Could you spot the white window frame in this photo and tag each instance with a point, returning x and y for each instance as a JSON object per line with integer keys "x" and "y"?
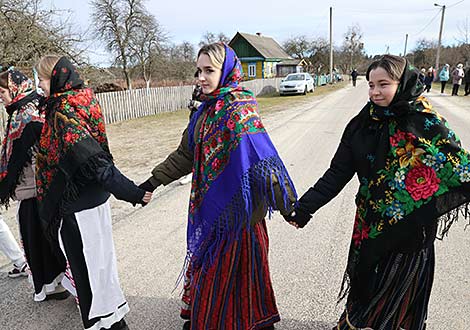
{"x": 252, "y": 70}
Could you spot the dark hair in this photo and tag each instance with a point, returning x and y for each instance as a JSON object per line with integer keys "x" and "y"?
{"x": 4, "y": 79}
{"x": 394, "y": 65}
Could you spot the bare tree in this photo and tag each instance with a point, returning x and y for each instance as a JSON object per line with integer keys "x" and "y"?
{"x": 353, "y": 45}
{"x": 424, "y": 52}
{"x": 298, "y": 46}
{"x": 210, "y": 38}
{"x": 464, "y": 39}
{"x": 147, "y": 44}
{"x": 116, "y": 21}
{"x": 28, "y": 32}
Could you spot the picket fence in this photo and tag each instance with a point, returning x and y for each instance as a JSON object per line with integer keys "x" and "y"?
{"x": 131, "y": 104}
{"x": 125, "y": 105}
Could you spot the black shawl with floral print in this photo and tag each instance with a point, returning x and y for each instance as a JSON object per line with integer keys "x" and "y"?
{"x": 22, "y": 131}
{"x": 414, "y": 175}
{"x": 73, "y": 138}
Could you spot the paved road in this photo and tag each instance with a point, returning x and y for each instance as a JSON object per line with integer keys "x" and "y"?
{"x": 307, "y": 265}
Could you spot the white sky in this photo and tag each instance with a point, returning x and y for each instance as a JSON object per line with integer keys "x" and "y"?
{"x": 383, "y": 23}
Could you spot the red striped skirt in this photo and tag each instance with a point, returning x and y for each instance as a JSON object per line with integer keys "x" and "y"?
{"x": 235, "y": 292}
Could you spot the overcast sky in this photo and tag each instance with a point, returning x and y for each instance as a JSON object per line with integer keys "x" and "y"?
{"x": 383, "y": 23}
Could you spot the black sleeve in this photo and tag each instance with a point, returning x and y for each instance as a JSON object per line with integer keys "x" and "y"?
{"x": 118, "y": 184}
{"x": 333, "y": 181}
{"x": 20, "y": 156}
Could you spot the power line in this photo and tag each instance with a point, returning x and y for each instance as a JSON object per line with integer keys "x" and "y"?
{"x": 455, "y": 4}
{"x": 427, "y": 25}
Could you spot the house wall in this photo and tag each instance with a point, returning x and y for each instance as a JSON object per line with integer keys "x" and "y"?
{"x": 259, "y": 69}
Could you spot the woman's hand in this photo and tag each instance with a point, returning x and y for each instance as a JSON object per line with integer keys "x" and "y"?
{"x": 147, "y": 198}
{"x": 298, "y": 218}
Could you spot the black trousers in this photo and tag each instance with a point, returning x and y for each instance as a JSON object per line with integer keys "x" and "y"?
{"x": 443, "y": 86}
{"x": 467, "y": 88}
{"x": 455, "y": 89}
{"x": 45, "y": 259}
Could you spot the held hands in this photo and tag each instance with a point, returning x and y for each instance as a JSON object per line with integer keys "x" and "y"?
{"x": 298, "y": 218}
{"x": 147, "y": 198}
{"x": 147, "y": 186}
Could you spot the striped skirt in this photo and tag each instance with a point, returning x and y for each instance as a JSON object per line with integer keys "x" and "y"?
{"x": 401, "y": 296}
{"x": 235, "y": 293}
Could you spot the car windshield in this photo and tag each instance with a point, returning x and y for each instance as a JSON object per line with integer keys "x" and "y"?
{"x": 295, "y": 77}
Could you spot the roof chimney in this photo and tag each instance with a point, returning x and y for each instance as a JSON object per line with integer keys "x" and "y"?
{"x": 258, "y": 34}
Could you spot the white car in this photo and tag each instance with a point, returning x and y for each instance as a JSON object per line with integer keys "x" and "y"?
{"x": 296, "y": 83}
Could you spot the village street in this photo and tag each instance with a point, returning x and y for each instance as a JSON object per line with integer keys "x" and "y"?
{"x": 306, "y": 265}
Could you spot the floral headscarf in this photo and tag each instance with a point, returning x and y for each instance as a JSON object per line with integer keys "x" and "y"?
{"x": 22, "y": 110}
{"x": 233, "y": 165}
{"x": 73, "y": 136}
{"x": 419, "y": 173}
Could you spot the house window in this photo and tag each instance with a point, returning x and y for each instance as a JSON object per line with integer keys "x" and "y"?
{"x": 252, "y": 70}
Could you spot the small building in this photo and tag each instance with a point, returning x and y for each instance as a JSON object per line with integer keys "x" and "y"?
{"x": 291, "y": 66}
{"x": 259, "y": 55}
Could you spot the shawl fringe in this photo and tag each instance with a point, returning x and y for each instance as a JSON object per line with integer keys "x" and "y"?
{"x": 256, "y": 190}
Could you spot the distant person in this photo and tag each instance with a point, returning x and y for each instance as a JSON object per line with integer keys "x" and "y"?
{"x": 457, "y": 76}
{"x": 414, "y": 182}
{"x": 467, "y": 81}
{"x": 354, "y": 77}
{"x": 75, "y": 176}
{"x": 18, "y": 182}
{"x": 12, "y": 251}
{"x": 429, "y": 79}
{"x": 422, "y": 75}
{"x": 237, "y": 177}
{"x": 444, "y": 77}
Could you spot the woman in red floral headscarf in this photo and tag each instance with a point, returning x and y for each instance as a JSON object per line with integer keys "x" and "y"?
{"x": 75, "y": 176}
{"x": 17, "y": 181}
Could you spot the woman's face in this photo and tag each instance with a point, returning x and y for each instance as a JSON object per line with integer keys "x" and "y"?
{"x": 45, "y": 85}
{"x": 208, "y": 75}
{"x": 382, "y": 87}
{"x": 5, "y": 96}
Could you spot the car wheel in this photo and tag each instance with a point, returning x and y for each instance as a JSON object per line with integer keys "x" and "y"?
{"x": 305, "y": 90}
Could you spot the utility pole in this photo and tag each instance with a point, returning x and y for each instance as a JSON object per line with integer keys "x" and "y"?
{"x": 438, "y": 53}
{"x": 331, "y": 45}
{"x": 406, "y": 43}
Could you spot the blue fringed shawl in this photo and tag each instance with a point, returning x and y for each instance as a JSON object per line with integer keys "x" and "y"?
{"x": 235, "y": 168}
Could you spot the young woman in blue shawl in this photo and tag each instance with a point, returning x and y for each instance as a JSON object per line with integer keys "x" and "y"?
{"x": 238, "y": 177}
{"x": 414, "y": 179}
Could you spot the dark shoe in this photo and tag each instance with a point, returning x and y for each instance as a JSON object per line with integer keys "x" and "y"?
{"x": 18, "y": 271}
{"x": 187, "y": 325}
{"x": 58, "y": 296}
{"x": 121, "y": 325}
{"x": 271, "y": 327}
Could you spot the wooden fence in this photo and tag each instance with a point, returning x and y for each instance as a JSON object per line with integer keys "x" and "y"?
{"x": 125, "y": 105}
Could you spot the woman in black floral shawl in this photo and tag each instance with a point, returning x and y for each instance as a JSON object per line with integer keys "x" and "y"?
{"x": 414, "y": 179}
{"x": 17, "y": 181}
{"x": 75, "y": 176}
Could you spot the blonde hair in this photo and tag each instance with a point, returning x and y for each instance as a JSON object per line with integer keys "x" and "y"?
{"x": 216, "y": 53}
{"x": 46, "y": 64}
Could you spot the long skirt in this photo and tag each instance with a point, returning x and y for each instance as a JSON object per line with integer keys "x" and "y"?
{"x": 235, "y": 292}
{"x": 45, "y": 259}
{"x": 401, "y": 295}
{"x": 91, "y": 275}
